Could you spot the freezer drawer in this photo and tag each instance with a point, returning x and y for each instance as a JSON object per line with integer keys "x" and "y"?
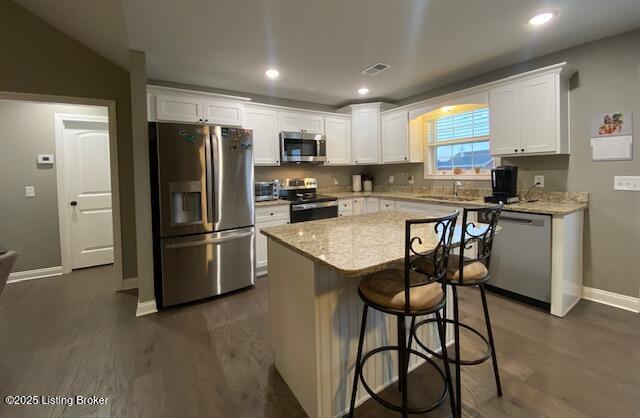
{"x": 521, "y": 257}
{"x": 205, "y": 265}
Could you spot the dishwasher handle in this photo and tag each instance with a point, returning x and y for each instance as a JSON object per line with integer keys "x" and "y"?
{"x": 532, "y": 222}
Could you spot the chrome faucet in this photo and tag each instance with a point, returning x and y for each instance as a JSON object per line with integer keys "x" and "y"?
{"x": 456, "y": 187}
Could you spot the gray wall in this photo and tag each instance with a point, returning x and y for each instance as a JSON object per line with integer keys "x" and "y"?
{"x": 607, "y": 79}
{"x": 30, "y": 225}
{"x": 39, "y": 59}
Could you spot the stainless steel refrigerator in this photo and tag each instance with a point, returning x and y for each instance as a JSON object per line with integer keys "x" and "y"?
{"x": 203, "y": 210}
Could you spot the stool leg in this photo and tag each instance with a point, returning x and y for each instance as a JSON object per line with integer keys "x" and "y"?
{"x": 490, "y": 334}
{"x": 456, "y": 328}
{"x": 412, "y": 332}
{"x": 445, "y": 358}
{"x": 403, "y": 364}
{"x": 357, "y": 372}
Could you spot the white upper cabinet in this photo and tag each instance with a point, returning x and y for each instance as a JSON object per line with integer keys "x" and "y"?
{"x": 338, "y": 133}
{"x": 264, "y": 123}
{"x": 503, "y": 120}
{"x": 179, "y": 108}
{"x": 395, "y": 137}
{"x": 366, "y": 135}
{"x": 186, "y": 108}
{"x": 223, "y": 112}
{"x": 530, "y": 116}
{"x": 538, "y": 110}
{"x": 301, "y": 122}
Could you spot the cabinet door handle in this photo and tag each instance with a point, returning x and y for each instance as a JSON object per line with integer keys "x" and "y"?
{"x": 515, "y": 150}
{"x": 522, "y": 150}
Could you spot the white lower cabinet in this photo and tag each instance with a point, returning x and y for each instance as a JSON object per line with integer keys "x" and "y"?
{"x": 359, "y": 206}
{"x": 387, "y": 205}
{"x": 267, "y": 216}
{"x": 345, "y": 207}
{"x": 372, "y": 204}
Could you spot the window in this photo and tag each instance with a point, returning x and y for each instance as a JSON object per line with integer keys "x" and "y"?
{"x": 458, "y": 141}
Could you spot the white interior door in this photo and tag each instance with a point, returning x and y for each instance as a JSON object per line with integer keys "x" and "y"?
{"x": 88, "y": 191}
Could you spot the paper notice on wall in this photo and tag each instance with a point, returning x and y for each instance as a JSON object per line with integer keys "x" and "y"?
{"x": 612, "y": 148}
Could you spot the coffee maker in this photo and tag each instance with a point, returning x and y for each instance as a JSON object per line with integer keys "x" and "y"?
{"x": 504, "y": 184}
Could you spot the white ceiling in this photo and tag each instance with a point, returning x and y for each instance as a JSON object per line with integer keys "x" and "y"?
{"x": 320, "y": 46}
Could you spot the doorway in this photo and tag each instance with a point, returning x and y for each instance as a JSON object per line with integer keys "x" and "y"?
{"x": 81, "y": 168}
{"x": 84, "y": 190}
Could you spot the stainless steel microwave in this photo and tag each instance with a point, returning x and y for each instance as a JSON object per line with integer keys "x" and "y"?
{"x": 302, "y": 147}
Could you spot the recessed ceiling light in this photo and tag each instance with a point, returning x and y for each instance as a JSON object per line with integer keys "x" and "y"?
{"x": 446, "y": 108}
{"x": 272, "y": 73}
{"x": 541, "y": 19}
{"x": 363, "y": 90}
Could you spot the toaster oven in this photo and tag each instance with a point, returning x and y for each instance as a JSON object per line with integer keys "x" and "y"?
{"x": 267, "y": 190}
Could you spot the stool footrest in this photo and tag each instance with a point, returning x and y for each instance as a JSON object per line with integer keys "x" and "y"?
{"x": 484, "y": 357}
{"x": 395, "y": 407}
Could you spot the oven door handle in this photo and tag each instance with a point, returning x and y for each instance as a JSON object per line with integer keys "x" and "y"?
{"x": 317, "y": 205}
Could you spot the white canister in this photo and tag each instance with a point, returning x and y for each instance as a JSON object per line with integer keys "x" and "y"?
{"x": 356, "y": 181}
{"x": 368, "y": 185}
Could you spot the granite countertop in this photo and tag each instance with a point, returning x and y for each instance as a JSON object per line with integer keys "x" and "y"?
{"x": 354, "y": 245}
{"x": 543, "y": 207}
{"x": 277, "y": 202}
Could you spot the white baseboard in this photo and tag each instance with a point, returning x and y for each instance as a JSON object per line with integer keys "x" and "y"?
{"x": 628, "y": 303}
{"x": 146, "y": 308}
{"x": 20, "y": 276}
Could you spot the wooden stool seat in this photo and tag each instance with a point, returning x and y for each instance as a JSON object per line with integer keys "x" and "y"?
{"x": 386, "y": 288}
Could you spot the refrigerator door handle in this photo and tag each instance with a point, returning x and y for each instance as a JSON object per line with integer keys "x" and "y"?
{"x": 209, "y": 241}
{"x": 209, "y": 179}
{"x": 215, "y": 162}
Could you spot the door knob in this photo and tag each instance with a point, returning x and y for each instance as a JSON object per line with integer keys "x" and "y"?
{"x": 73, "y": 203}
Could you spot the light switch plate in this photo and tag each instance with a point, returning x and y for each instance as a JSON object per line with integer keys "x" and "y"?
{"x": 627, "y": 183}
{"x": 410, "y": 178}
{"x": 335, "y": 180}
{"x": 30, "y": 191}
{"x": 539, "y": 180}
{"x": 390, "y": 179}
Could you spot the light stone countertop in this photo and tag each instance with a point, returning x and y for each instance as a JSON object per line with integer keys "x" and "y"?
{"x": 355, "y": 245}
{"x": 277, "y": 202}
{"x": 540, "y": 207}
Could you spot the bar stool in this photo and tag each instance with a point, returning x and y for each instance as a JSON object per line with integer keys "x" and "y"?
{"x": 468, "y": 271}
{"x": 408, "y": 293}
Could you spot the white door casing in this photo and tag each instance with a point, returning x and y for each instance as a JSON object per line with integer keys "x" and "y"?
{"x": 87, "y": 233}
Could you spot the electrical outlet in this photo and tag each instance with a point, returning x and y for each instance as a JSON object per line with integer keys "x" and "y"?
{"x": 390, "y": 179}
{"x": 30, "y": 191}
{"x": 410, "y": 178}
{"x": 627, "y": 183}
{"x": 335, "y": 180}
{"x": 540, "y": 180}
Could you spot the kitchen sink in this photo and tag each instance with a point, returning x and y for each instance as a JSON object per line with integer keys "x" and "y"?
{"x": 448, "y": 198}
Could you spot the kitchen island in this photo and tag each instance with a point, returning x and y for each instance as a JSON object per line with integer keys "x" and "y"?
{"x": 315, "y": 310}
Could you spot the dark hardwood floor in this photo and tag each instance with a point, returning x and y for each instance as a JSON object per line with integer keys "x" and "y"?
{"x": 72, "y": 335}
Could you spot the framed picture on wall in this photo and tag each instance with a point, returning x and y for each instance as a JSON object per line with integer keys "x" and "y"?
{"x": 612, "y": 124}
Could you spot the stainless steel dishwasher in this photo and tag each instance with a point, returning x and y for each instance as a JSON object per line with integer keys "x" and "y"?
{"x": 521, "y": 258}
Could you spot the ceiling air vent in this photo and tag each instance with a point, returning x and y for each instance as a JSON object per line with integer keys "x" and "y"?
{"x": 375, "y": 68}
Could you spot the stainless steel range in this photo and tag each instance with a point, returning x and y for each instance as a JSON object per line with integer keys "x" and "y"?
{"x": 306, "y": 204}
